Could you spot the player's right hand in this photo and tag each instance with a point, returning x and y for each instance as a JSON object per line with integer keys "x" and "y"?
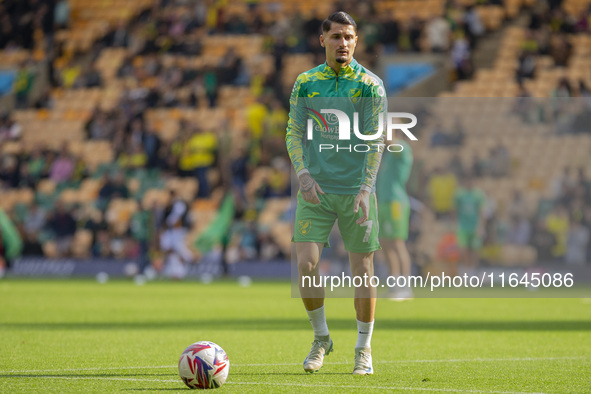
{"x": 310, "y": 189}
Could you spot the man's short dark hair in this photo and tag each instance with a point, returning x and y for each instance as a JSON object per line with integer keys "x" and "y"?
{"x": 340, "y": 17}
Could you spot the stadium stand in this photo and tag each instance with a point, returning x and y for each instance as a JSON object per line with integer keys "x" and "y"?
{"x": 130, "y": 83}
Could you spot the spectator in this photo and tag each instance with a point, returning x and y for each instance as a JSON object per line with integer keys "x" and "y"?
{"x": 523, "y": 94}
{"x": 460, "y": 54}
{"x": 557, "y": 222}
{"x": 151, "y": 143}
{"x": 527, "y": 66}
{"x": 415, "y": 29}
{"x": 100, "y": 127}
{"x": 229, "y": 66}
{"x": 439, "y": 137}
{"x": 142, "y": 229}
{"x": 577, "y": 243}
{"x": 46, "y": 101}
{"x": 211, "y": 87}
{"x": 6, "y": 31}
{"x": 45, "y": 19}
{"x": 172, "y": 241}
{"x": 135, "y": 157}
{"x": 518, "y": 207}
{"x": 583, "y": 183}
{"x": 136, "y": 133}
{"x": 198, "y": 156}
{"x": 269, "y": 250}
{"x": 239, "y": 169}
{"x": 62, "y": 14}
{"x": 35, "y": 220}
{"x": 278, "y": 182}
{"x": 480, "y": 166}
{"x": 256, "y": 114}
{"x": 23, "y": 85}
{"x": 519, "y": 231}
{"x": 448, "y": 251}
{"x": 113, "y": 187}
{"x": 92, "y": 78}
{"x": 246, "y": 232}
{"x": 102, "y": 245}
{"x": 10, "y": 130}
{"x": 389, "y": 33}
{"x": 456, "y": 166}
{"x": 475, "y": 28}
{"x": 63, "y": 227}
{"x": 119, "y": 37}
{"x": 584, "y": 91}
{"x": 563, "y": 186}
{"x": 582, "y": 25}
{"x": 560, "y": 50}
{"x": 80, "y": 170}
{"x": 70, "y": 75}
{"x": 456, "y": 137}
{"x": 31, "y": 246}
{"x": 277, "y": 119}
{"x": 442, "y": 188}
{"x": 544, "y": 241}
{"x": 563, "y": 89}
{"x": 438, "y": 34}
{"x": 62, "y": 168}
{"x": 499, "y": 161}
{"x": 370, "y": 31}
{"x": 9, "y": 172}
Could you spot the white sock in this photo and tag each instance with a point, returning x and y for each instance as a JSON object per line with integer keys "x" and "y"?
{"x": 318, "y": 320}
{"x": 364, "y": 331}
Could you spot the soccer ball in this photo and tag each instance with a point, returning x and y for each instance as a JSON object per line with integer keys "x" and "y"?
{"x": 204, "y": 365}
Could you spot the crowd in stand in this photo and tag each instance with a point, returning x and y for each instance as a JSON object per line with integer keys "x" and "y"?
{"x": 558, "y": 227}
{"x": 196, "y": 151}
{"x": 548, "y": 34}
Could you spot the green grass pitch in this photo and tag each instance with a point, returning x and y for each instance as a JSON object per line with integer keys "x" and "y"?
{"x": 81, "y": 336}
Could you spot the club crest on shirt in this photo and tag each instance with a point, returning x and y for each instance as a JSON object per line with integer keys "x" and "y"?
{"x": 354, "y": 95}
{"x": 304, "y": 227}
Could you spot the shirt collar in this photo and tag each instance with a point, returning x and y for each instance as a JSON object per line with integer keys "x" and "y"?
{"x": 348, "y": 68}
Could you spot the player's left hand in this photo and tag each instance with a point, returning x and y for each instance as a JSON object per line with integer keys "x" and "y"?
{"x": 362, "y": 200}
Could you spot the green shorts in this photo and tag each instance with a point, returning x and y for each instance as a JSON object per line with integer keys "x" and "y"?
{"x": 468, "y": 239}
{"x": 394, "y": 219}
{"x": 313, "y": 223}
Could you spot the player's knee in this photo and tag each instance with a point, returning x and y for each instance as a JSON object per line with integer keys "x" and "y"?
{"x": 362, "y": 267}
{"x": 306, "y": 266}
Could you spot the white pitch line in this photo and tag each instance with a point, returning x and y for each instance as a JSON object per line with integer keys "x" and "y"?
{"x": 389, "y": 388}
{"x": 89, "y": 369}
{"x": 102, "y": 378}
{"x": 466, "y": 360}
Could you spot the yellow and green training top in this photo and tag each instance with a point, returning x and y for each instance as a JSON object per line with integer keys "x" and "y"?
{"x": 340, "y": 166}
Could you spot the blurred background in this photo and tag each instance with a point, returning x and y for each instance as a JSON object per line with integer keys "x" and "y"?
{"x": 142, "y": 134}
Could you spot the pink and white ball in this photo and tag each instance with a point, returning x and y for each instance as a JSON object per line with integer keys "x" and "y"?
{"x": 204, "y": 365}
